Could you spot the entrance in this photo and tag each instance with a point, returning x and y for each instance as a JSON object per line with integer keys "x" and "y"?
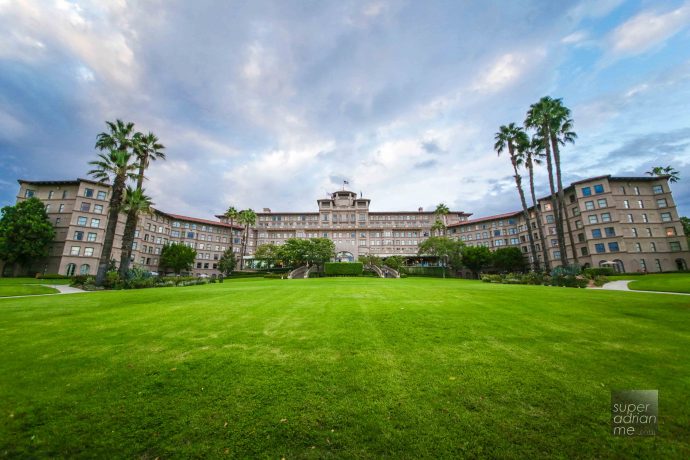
{"x": 344, "y": 256}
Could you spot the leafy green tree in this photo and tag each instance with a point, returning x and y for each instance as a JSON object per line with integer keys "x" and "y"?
{"x": 136, "y": 202}
{"x": 447, "y": 250}
{"x": 515, "y": 140}
{"x": 146, "y": 147}
{"x": 227, "y": 262}
{"x": 476, "y": 258}
{"x": 270, "y": 254}
{"x": 395, "y": 262}
{"x": 25, "y": 233}
{"x": 370, "y": 259}
{"x": 674, "y": 175}
{"x": 509, "y": 259}
{"x": 116, "y": 166}
{"x": 321, "y": 250}
{"x": 177, "y": 257}
{"x": 686, "y": 227}
{"x": 247, "y": 217}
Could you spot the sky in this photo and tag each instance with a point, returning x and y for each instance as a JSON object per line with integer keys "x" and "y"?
{"x": 272, "y": 104}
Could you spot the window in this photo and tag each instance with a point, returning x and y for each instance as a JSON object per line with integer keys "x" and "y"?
{"x": 584, "y": 251}
{"x": 643, "y": 265}
{"x": 57, "y": 220}
{"x": 626, "y": 204}
{"x": 605, "y": 217}
{"x": 633, "y": 232}
{"x": 674, "y": 245}
{"x": 586, "y": 191}
{"x": 598, "y": 188}
{"x": 621, "y": 190}
{"x": 85, "y": 207}
{"x": 47, "y": 208}
{"x": 71, "y": 268}
{"x": 74, "y": 251}
{"x": 645, "y": 218}
{"x": 610, "y": 231}
{"x": 64, "y": 194}
{"x": 630, "y": 218}
{"x": 589, "y": 205}
{"x": 78, "y": 236}
{"x": 576, "y": 211}
{"x": 636, "y": 190}
{"x": 101, "y": 195}
{"x": 657, "y": 189}
{"x": 88, "y": 252}
{"x": 84, "y": 269}
{"x": 657, "y": 263}
{"x": 599, "y": 247}
{"x": 88, "y": 192}
{"x": 602, "y": 203}
{"x": 613, "y": 246}
{"x": 666, "y": 217}
{"x": 95, "y": 223}
{"x": 638, "y": 247}
{"x": 81, "y": 220}
{"x": 581, "y": 237}
{"x": 50, "y": 195}
{"x": 596, "y": 233}
{"x": 652, "y": 247}
{"x": 593, "y": 219}
{"x": 649, "y": 231}
{"x": 640, "y": 204}
{"x": 670, "y": 231}
{"x": 29, "y": 193}
{"x": 578, "y": 224}
{"x": 61, "y": 208}
{"x": 98, "y": 209}
{"x": 557, "y": 255}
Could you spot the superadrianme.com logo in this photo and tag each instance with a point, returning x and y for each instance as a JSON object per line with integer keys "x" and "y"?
{"x": 634, "y": 412}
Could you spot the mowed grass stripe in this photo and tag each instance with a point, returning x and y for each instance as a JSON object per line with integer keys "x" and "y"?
{"x": 339, "y": 368}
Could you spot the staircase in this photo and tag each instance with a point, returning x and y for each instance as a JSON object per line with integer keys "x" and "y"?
{"x": 389, "y": 272}
{"x": 299, "y": 272}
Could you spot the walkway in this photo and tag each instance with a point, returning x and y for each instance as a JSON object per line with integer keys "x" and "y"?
{"x": 63, "y": 289}
{"x": 622, "y": 285}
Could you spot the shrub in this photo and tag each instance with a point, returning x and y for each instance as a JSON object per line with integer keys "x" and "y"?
{"x": 599, "y": 281}
{"x": 79, "y": 280}
{"x": 598, "y": 271}
{"x": 435, "y": 272}
{"x": 343, "y": 268}
{"x": 51, "y": 276}
{"x": 274, "y": 276}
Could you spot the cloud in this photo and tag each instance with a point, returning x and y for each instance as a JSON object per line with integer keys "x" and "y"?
{"x": 647, "y": 30}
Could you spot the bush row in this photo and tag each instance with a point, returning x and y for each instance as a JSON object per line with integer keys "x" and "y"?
{"x": 536, "y": 278}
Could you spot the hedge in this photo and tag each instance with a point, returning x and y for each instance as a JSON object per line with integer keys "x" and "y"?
{"x": 343, "y": 268}
{"x": 436, "y": 272}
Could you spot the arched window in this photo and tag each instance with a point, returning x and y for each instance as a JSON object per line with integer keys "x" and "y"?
{"x": 71, "y": 268}
{"x": 84, "y": 269}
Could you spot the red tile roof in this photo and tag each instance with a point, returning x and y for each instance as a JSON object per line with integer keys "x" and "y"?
{"x": 201, "y": 221}
{"x": 483, "y": 219}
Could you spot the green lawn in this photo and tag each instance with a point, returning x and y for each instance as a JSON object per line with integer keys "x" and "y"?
{"x": 668, "y": 282}
{"x": 13, "y": 281}
{"x": 341, "y": 367}
{"x": 12, "y": 290}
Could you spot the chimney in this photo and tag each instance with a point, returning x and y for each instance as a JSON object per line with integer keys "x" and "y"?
{"x": 267, "y": 210}
{"x": 420, "y": 209}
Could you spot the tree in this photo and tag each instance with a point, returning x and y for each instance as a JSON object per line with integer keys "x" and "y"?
{"x": 516, "y": 141}
{"x": 533, "y": 157}
{"x": 370, "y": 260}
{"x": 269, "y": 253}
{"x": 553, "y": 125}
{"x": 674, "y": 175}
{"x": 177, "y": 257}
{"x": 440, "y": 225}
{"x": 394, "y": 262}
{"x": 475, "y": 258}
{"x": 114, "y": 165}
{"x": 227, "y": 262}
{"x": 294, "y": 252}
{"x": 247, "y": 217}
{"x": 448, "y": 251}
{"x": 686, "y": 227}
{"x": 146, "y": 147}
{"x": 508, "y": 259}
{"x": 25, "y": 233}
{"x": 232, "y": 215}
{"x": 135, "y": 202}
{"x": 321, "y": 250}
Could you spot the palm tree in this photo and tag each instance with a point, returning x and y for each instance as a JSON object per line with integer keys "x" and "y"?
{"x": 146, "y": 147}
{"x": 534, "y": 156}
{"x": 540, "y": 117}
{"x": 515, "y": 139}
{"x": 116, "y": 166}
{"x": 674, "y": 175}
{"x": 135, "y": 203}
{"x": 441, "y": 212}
{"x": 232, "y": 215}
{"x": 247, "y": 217}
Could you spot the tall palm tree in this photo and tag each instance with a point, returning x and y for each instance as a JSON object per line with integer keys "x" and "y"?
{"x": 534, "y": 157}
{"x": 514, "y": 138}
{"x": 115, "y": 165}
{"x": 232, "y": 214}
{"x": 135, "y": 203}
{"x": 146, "y": 147}
{"x": 441, "y": 212}
{"x": 247, "y": 217}
{"x": 665, "y": 171}
{"x": 540, "y": 117}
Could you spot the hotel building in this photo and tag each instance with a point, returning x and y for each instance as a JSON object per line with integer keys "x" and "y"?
{"x": 630, "y": 223}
